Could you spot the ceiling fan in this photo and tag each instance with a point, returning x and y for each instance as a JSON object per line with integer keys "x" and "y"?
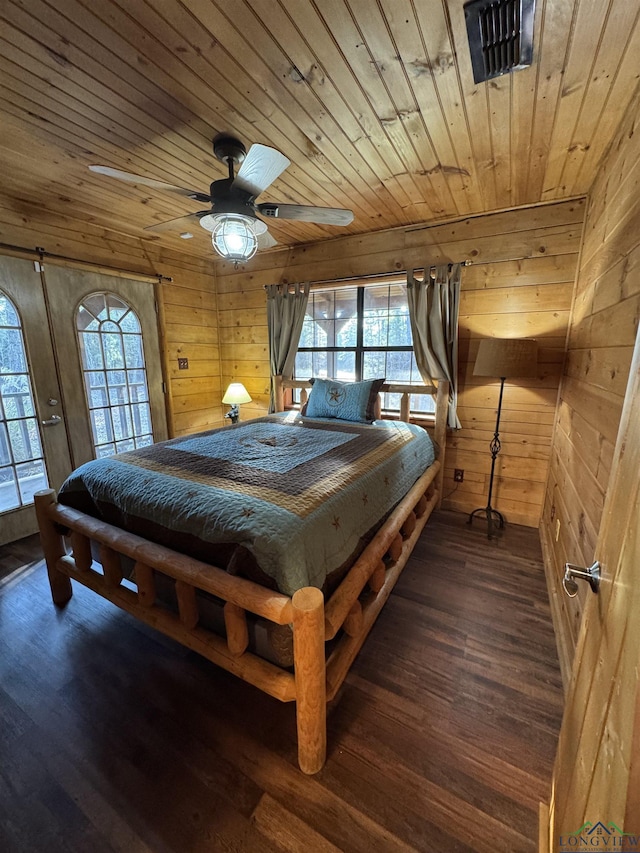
{"x": 233, "y": 218}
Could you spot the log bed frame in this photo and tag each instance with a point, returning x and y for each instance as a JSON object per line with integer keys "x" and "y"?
{"x": 316, "y": 678}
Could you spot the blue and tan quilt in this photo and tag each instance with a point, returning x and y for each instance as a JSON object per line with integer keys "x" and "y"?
{"x": 285, "y": 500}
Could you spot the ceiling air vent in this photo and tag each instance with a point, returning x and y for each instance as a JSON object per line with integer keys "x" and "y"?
{"x": 500, "y": 36}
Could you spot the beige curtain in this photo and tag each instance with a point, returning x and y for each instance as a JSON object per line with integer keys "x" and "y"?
{"x": 286, "y": 307}
{"x": 433, "y": 310}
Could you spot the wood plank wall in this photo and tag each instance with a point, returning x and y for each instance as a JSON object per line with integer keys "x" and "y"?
{"x": 520, "y": 284}
{"x": 602, "y": 334}
{"x": 190, "y": 324}
{"x": 187, "y": 305}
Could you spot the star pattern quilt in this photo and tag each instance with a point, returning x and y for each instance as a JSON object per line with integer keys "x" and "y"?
{"x": 298, "y": 496}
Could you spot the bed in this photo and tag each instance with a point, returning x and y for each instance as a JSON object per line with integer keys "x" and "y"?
{"x": 305, "y": 548}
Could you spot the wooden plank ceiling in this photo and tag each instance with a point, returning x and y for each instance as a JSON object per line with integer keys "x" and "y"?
{"x": 373, "y": 101}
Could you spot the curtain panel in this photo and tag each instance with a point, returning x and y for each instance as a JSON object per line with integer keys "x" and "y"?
{"x": 434, "y": 305}
{"x": 286, "y": 307}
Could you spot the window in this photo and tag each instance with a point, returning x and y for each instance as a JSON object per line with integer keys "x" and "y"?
{"x": 115, "y": 378}
{"x": 22, "y": 468}
{"x": 353, "y": 333}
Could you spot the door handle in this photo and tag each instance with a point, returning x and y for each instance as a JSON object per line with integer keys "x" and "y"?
{"x": 591, "y": 575}
{"x": 52, "y": 421}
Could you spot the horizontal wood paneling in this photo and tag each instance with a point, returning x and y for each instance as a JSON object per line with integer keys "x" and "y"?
{"x": 402, "y": 249}
{"x": 190, "y": 330}
{"x": 602, "y": 334}
{"x": 502, "y": 296}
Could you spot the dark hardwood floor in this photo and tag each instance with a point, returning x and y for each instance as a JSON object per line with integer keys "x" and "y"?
{"x": 113, "y": 738}
{"x": 19, "y": 555}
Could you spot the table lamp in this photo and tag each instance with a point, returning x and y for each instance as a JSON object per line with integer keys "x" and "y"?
{"x": 235, "y": 394}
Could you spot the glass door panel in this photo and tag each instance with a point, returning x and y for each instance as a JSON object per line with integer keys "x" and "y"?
{"x": 110, "y": 336}
{"x": 34, "y": 451}
{"x": 107, "y": 344}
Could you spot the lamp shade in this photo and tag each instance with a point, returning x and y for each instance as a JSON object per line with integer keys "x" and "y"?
{"x": 235, "y": 394}
{"x": 504, "y": 358}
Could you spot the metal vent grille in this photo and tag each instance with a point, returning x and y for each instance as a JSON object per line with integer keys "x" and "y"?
{"x": 500, "y": 36}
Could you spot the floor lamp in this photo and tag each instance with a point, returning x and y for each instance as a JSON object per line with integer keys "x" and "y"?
{"x": 502, "y": 359}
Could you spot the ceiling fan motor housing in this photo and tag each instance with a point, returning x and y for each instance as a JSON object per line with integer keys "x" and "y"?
{"x": 227, "y": 148}
{"x": 227, "y": 199}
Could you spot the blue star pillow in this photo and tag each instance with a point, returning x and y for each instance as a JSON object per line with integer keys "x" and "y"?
{"x": 347, "y": 401}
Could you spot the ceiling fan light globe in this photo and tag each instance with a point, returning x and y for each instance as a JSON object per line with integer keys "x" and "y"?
{"x": 234, "y": 237}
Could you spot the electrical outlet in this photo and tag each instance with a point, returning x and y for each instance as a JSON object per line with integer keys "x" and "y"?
{"x": 458, "y": 475}
{"x": 183, "y": 364}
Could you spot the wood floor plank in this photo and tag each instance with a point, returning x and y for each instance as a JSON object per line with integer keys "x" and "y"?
{"x": 113, "y": 737}
{"x": 287, "y": 830}
{"x": 17, "y": 555}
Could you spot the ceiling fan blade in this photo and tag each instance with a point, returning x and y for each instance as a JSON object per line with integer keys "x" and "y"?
{"x": 260, "y": 168}
{"x": 306, "y": 213}
{"x": 149, "y": 182}
{"x": 266, "y": 241}
{"x": 178, "y": 224}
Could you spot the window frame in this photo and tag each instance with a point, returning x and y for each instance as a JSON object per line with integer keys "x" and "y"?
{"x": 360, "y": 349}
{"x": 126, "y": 408}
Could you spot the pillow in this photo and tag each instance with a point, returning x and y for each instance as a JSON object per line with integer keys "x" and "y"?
{"x": 347, "y": 401}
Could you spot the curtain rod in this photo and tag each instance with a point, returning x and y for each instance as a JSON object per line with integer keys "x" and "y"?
{"x": 382, "y": 277}
{"x": 42, "y": 253}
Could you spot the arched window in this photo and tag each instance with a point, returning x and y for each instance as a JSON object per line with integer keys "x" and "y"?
{"x": 22, "y": 467}
{"x": 115, "y": 378}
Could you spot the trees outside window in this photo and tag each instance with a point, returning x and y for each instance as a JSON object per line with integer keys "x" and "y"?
{"x": 22, "y": 467}
{"x": 354, "y": 333}
{"x": 115, "y": 377}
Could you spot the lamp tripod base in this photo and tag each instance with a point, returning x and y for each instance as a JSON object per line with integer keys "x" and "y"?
{"x": 490, "y": 514}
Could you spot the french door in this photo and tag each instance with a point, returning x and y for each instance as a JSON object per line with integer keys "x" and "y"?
{"x": 86, "y": 387}
{"x": 34, "y": 452}
{"x": 80, "y": 377}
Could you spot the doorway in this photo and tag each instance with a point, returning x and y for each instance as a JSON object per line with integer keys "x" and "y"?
{"x": 80, "y": 377}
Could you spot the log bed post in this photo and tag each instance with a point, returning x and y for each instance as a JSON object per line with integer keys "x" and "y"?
{"x": 310, "y": 676}
{"x": 53, "y": 548}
